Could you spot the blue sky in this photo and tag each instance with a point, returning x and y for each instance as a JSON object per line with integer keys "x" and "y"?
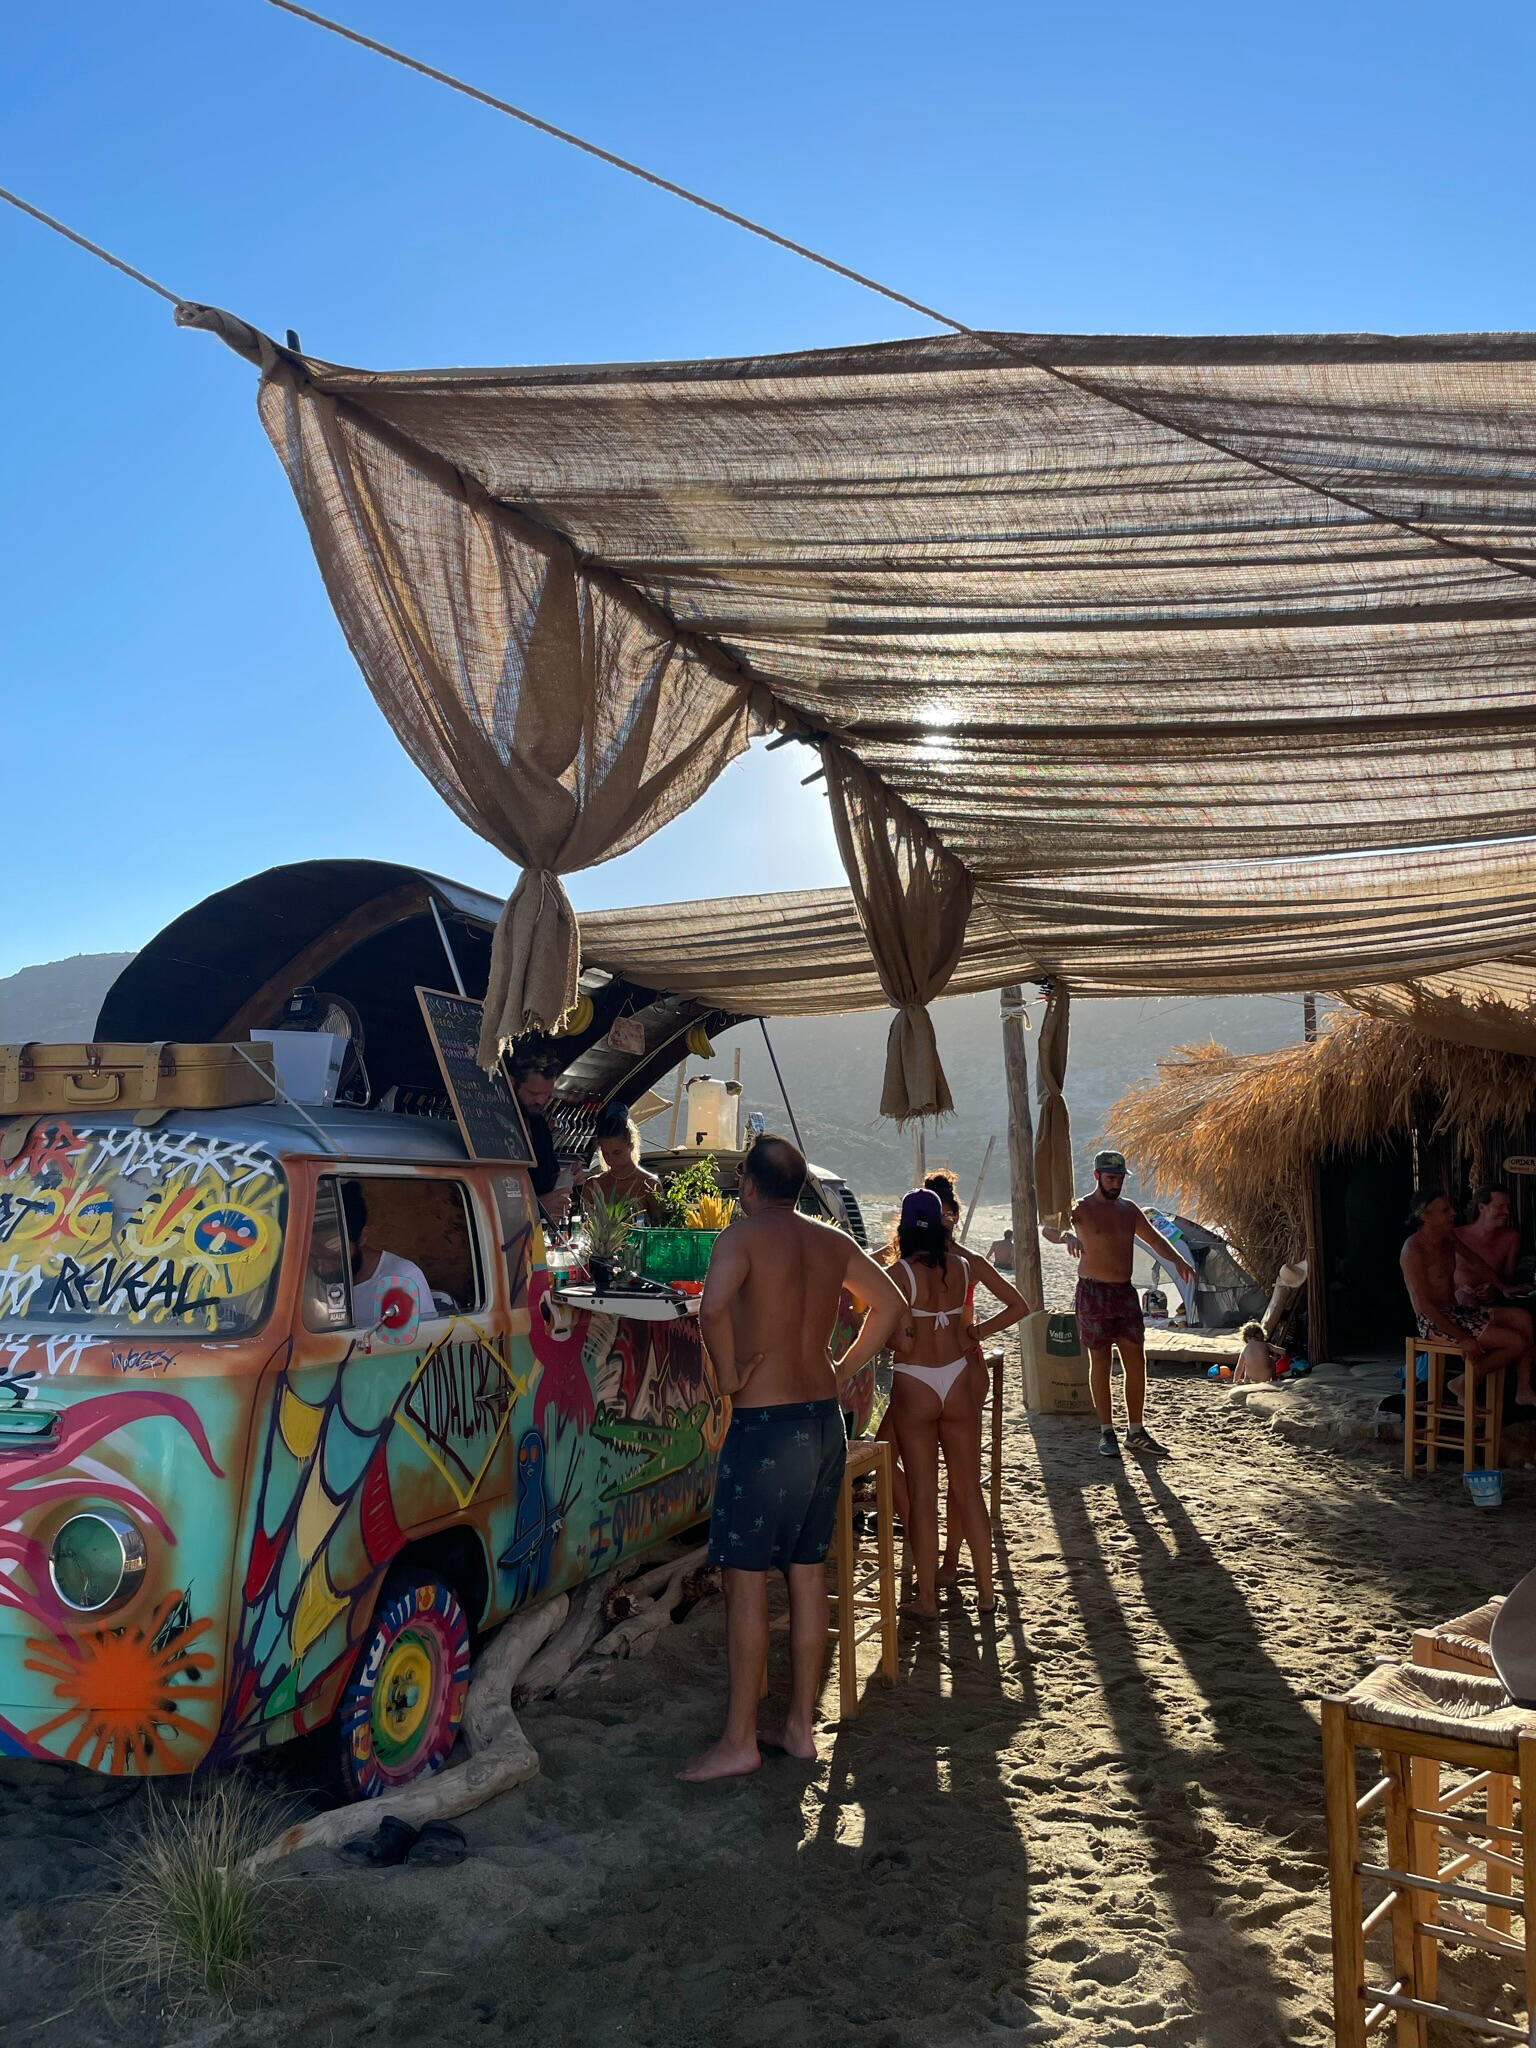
{"x": 179, "y": 708}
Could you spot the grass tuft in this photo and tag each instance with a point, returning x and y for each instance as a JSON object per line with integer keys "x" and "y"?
{"x": 185, "y": 1917}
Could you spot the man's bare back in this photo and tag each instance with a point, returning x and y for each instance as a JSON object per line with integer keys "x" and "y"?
{"x": 784, "y": 1312}
{"x": 775, "y": 1285}
{"x": 770, "y": 1303}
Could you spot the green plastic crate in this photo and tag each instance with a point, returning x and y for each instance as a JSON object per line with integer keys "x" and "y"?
{"x": 674, "y": 1254}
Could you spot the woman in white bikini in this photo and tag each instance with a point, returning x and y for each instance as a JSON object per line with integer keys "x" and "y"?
{"x": 932, "y": 1402}
{"x": 1015, "y": 1308}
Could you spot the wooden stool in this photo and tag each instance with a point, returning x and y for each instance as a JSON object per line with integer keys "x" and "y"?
{"x": 1428, "y": 1422}
{"x": 1408, "y": 1714}
{"x": 865, "y": 1454}
{"x": 1457, "y": 1645}
{"x": 995, "y": 1363}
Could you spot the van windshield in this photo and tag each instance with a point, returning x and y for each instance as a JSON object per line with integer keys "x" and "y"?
{"x": 121, "y": 1230}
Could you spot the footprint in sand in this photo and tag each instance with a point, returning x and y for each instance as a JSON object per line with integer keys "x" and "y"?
{"x": 1073, "y": 1950}
{"x": 1113, "y": 1966}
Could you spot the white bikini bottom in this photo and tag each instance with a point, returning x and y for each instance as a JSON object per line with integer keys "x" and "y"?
{"x": 940, "y": 1377}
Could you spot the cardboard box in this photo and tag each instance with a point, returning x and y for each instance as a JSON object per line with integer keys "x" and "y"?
{"x": 1055, "y": 1365}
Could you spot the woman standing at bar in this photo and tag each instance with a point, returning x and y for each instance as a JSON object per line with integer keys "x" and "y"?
{"x": 933, "y": 1406}
{"x": 1014, "y": 1310}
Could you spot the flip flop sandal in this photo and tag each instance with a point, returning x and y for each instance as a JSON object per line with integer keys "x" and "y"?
{"x": 391, "y": 1843}
{"x": 439, "y": 1842}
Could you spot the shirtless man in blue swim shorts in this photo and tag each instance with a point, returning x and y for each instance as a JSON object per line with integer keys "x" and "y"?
{"x": 770, "y": 1304}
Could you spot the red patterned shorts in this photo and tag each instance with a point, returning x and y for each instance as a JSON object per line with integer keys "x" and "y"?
{"x": 1473, "y": 1316}
{"x": 1107, "y": 1312}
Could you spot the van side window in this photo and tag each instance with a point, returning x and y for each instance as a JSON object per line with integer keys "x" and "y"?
{"x": 327, "y": 1283}
{"x": 413, "y": 1231}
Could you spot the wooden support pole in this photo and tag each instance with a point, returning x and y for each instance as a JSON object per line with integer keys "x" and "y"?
{"x": 981, "y": 1181}
{"x": 1021, "y": 1151}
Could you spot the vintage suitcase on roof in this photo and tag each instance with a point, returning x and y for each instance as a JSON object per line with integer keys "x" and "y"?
{"x": 150, "y": 1078}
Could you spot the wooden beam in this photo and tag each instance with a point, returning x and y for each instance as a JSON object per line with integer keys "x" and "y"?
{"x": 1021, "y": 1151}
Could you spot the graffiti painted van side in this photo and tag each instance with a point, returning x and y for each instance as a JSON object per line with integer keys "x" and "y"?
{"x": 246, "y": 1492}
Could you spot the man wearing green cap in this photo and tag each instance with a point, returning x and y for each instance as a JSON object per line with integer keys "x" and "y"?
{"x": 1102, "y": 1239}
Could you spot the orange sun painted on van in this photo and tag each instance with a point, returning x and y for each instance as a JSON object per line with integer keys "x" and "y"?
{"x": 128, "y": 1688}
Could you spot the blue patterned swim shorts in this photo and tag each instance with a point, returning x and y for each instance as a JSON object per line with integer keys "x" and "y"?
{"x": 776, "y": 1486}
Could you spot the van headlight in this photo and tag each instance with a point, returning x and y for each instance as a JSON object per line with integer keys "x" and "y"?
{"x": 97, "y": 1561}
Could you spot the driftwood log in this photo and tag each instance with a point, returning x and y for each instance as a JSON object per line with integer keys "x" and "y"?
{"x": 511, "y": 1760}
{"x": 543, "y": 1649}
{"x": 488, "y": 1710}
{"x": 569, "y": 1643}
{"x": 655, "y": 1594}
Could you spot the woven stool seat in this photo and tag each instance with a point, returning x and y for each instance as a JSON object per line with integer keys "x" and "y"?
{"x": 1458, "y": 1704}
{"x": 1466, "y": 1635}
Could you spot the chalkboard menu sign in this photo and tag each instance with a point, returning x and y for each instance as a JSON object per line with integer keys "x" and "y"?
{"x": 490, "y": 1120}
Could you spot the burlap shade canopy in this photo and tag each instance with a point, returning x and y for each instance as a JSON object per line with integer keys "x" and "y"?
{"x": 1190, "y": 664}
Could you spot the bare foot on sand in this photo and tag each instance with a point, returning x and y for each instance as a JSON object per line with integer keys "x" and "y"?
{"x": 915, "y": 1611}
{"x": 720, "y": 1760}
{"x": 793, "y": 1742}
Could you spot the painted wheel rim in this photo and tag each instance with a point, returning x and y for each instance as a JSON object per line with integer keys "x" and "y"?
{"x": 400, "y": 1715}
{"x": 403, "y": 1698}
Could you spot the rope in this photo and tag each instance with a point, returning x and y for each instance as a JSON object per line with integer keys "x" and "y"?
{"x": 95, "y": 248}
{"x": 622, "y": 163}
{"x": 1003, "y": 347}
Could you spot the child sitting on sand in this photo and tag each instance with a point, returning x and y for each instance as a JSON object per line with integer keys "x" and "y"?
{"x": 1255, "y": 1364}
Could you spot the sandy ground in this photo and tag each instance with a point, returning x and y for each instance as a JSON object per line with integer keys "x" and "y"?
{"x": 1098, "y": 1823}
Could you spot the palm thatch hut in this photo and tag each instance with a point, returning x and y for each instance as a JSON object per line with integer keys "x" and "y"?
{"x": 1313, "y": 1151}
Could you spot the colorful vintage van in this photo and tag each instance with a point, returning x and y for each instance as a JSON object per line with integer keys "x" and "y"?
{"x": 231, "y": 1509}
{"x": 234, "y": 1508}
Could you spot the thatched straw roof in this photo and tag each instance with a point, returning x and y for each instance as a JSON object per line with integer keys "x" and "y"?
{"x": 1235, "y": 1136}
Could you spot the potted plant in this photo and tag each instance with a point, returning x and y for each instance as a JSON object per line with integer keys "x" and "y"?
{"x": 607, "y": 1229}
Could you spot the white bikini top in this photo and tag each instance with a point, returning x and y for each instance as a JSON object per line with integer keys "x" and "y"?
{"x": 939, "y": 1317}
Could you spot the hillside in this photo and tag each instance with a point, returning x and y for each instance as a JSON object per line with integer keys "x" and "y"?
{"x": 832, "y": 1068}
{"x": 58, "y": 1000}
{"x": 832, "y": 1065}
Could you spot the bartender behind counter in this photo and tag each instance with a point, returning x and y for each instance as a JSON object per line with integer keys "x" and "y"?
{"x": 621, "y": 1177}
{"x": 534, "y": 1068}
